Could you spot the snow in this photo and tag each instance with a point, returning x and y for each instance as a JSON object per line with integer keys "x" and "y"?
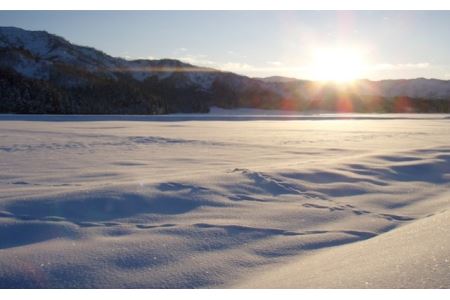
{"x": 414, "y": 256}
{"x": 224, "y": 200}
{"x": 415, "y": 88}
{"x": 50, "y": 48}
{"x": 32, "y": 69}
{"x": 37, "y": 42}
{"x": 163, "y": 69}
{"x": 203, "y": 79}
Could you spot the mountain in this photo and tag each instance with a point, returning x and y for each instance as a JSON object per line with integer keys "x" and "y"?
{"x": 44, "y": 73}
{"x": 76, "y": 79}
{"x": 278, "y": 79}
{"x": 36, "y": 54}
{"x": 414, "y": 88}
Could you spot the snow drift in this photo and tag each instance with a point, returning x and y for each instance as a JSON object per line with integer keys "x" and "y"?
{"x": 173, "y": 202}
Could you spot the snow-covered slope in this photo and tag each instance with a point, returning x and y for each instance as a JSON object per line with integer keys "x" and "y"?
{"x": 173, "y": 201}
{"x": 414, "y": 88}
{"x": 35, "y": 54}
{"x": 415, "y": 256}
{"x": 37, "y": 51}
{"x": 50, "y": 47}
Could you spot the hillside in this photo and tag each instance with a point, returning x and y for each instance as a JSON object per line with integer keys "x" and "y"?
{"x": 44, "y": 73}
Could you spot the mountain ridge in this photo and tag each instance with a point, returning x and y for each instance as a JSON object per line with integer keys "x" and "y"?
{"x": 74, "y": 75}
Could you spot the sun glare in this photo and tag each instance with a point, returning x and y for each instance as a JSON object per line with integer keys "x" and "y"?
{"x": 337, "y": 64}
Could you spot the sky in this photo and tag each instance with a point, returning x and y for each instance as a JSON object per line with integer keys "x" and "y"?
{"x": 302, "y": 44}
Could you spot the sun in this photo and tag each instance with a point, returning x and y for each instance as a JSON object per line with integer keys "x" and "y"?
{"x": 337, "y": 64}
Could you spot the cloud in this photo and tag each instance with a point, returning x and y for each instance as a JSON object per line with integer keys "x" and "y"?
{"x": 130, "y": 57}
{"x": 142, "y": 57}
{"x": 199, "y": 59}
{"x": 275, "y": 63}
{"x": 407, "y": 66}
{"x": 203, "y": 61}
{"x": 236, "y": 67}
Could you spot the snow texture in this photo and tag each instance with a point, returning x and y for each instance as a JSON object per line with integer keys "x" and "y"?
{"x": 232, "y": 200}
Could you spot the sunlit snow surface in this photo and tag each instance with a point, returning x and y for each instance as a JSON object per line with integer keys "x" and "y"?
{"x": 225, "y": 200}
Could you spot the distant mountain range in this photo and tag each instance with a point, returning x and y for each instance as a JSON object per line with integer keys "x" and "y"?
{"x": 44, "y": 73}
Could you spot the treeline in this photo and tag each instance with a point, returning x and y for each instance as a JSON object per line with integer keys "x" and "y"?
{"x": 19, "y": 94}
{"x": 121, "y": 94}
{"x": 326, "y": 102}
{"x": 98, "y": 95}
{"x": 233, "y": 91}
{"x": 372, "y": 104}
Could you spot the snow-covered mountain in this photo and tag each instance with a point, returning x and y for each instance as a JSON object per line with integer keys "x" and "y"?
{"x": 414, "y": 88}
{"x": 35, "y": 53}
{"x": 78, "y": 79}
{"x": 38, "y": 55}
{"x": 277, "y": 79}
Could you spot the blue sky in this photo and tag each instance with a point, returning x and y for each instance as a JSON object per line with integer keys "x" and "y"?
{"x": 390, "y": 44}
